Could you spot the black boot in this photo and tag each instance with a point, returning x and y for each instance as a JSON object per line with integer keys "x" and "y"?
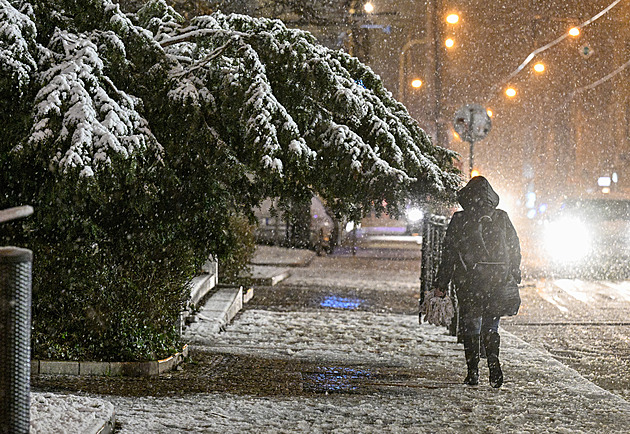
{"x": 492, "y": 341}
{"x": 471, "y": 350}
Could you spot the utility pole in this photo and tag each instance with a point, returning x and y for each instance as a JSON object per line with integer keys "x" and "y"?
{"x": 351, "y": 6}
{"x": 433, "y": 29}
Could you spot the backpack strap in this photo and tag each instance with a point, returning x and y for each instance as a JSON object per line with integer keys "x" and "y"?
{"x": 489, "y": 218}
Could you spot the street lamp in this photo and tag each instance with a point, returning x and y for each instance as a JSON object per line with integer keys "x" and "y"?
{"x": 490, "y": 114}
{"x": 539, "y": 67}
{"x": 510, "y": 92}
{"x": 416, "y": 83}
{"x": 368, "y": 7}
{"x": 574, "y": 31}
{"x": 401, "y": 65}
{"x": 450, "y": 43}
{"x": 452, "y": 19}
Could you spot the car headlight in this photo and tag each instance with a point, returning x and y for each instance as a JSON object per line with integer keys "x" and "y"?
{"x": 414, "y": 215}
{"x": 567, "y": 240}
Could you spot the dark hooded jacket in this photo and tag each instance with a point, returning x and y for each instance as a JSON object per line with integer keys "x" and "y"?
{"x": 478, "y": 201}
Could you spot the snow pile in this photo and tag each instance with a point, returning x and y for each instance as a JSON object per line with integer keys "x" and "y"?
{"x": 52, "y": 413}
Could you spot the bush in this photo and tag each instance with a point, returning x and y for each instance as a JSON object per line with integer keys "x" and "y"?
{"x": 109, "y": 276}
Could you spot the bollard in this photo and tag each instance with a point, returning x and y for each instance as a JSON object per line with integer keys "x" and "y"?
{"x": 15, "y": 339}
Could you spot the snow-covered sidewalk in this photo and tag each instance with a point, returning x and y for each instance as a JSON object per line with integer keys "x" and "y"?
{"x": 539, "y": 395}
{"x": 56, "y": 413}
{"x": 361, "y": 354}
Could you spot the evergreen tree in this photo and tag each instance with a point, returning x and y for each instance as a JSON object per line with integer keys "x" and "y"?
{"x": 142, "y": 140}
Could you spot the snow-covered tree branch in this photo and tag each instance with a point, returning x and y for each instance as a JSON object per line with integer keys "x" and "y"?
{"x": 286, "y": 107}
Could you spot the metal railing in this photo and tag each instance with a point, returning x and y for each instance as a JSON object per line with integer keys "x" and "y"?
{"x": 433, "y": 232}
{"x": 15, "y": 331}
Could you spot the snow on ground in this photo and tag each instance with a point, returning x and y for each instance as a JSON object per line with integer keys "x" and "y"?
{"x": 54, "y": 414}
{"x": 540, "y": 394}
{"x": 358, "y": 272}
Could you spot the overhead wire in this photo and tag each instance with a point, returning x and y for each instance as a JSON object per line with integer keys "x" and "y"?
{"x": 601, "y": 80}
{"x": 495, "y": 90}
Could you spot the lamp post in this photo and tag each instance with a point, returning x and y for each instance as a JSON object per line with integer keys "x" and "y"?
{"x": 401, "y": 65}
{"x": 433, "y": 12}
{"x": 434, "y": 43}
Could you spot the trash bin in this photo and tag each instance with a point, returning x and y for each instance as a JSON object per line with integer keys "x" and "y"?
{"x": 15, "y": 339}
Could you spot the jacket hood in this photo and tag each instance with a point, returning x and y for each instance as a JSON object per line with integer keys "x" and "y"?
{"x": 478, "y": 195}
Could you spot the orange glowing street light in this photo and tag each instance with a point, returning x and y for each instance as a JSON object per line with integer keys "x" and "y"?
{"x": 452, "y": 19}
{"x": 450, "y": 43}
{"x": 539, "y": 67}
{"x": 416, "y": 83}
{"x": 574, "y": 31}
{"x": 510, "y": 92}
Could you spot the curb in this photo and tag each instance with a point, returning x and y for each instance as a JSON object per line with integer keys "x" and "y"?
{"x": 131, "y": 369}
{"x": 222, "y": 306}
{"x": 264, "y": 275}
{"x": 200, "y": 287}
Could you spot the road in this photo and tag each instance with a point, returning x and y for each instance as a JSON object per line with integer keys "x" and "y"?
{"x": 583, "y": 324}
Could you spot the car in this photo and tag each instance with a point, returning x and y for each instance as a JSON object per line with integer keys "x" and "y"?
{"x": 588, "y": 237}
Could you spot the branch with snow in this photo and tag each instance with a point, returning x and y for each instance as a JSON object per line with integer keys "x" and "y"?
{"x": 80, "y": 110}
{"x": 284, "y": 107}
{"x": 17, "y": 37}
{"x": 294, "y": 94}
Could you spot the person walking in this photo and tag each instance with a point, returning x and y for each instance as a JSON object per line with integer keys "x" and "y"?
{"x": 481, "y": 255}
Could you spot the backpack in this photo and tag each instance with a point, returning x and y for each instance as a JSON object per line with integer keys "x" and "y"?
{"x": 484, "y": 254}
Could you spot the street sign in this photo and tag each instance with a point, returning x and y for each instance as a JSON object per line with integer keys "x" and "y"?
{"x": 472, "y": 123}
{"x": 586, "y": 51}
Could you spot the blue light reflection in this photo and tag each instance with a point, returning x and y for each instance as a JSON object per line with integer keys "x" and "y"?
{"x": 342, "y": 302}
{"x": 335, "y": 380}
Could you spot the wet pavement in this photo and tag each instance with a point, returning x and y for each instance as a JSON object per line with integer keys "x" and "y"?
{"x": 211, "y": 371}
{"x": 290, "y": 297}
